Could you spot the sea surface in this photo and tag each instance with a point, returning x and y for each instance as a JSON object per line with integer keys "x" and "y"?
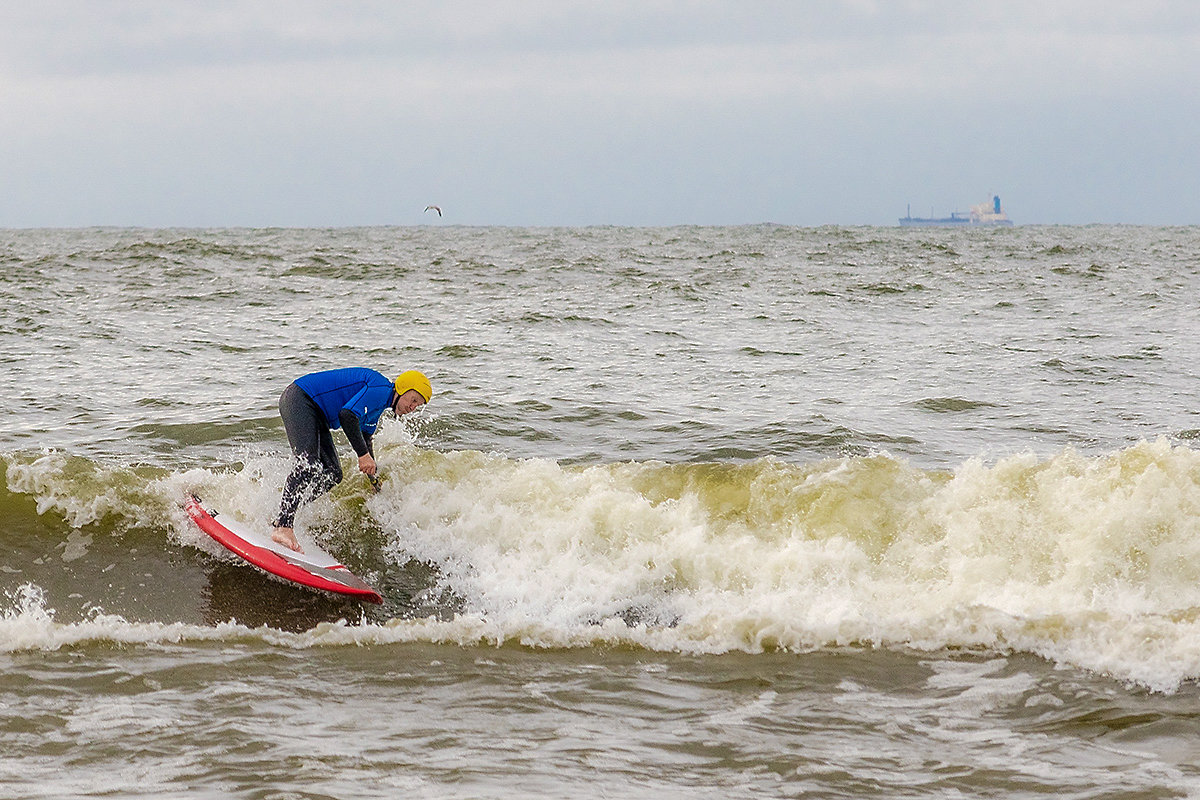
{"x": 695, "y": 512}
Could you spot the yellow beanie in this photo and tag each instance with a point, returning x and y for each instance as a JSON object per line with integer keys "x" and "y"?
{"x": 414, "y": 380}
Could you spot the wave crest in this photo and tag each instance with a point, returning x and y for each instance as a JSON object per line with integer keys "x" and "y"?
{"x": 1091, "y": 561}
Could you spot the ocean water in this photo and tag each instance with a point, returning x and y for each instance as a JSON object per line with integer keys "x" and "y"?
{"x": 695, "y": 512}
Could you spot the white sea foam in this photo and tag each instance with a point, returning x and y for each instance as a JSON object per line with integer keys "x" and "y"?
{"x": 1088, "y": 561}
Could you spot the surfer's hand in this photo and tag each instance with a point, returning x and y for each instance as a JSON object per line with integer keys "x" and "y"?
{"x": 366, "y": 465}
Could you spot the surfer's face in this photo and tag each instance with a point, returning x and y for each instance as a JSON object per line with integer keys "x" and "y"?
{"x": 408, "y": 402}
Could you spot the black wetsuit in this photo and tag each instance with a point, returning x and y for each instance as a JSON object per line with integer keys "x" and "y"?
{"x": 318, "y": 468}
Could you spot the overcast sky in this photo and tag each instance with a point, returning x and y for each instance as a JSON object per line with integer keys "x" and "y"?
{"x": 547, "y": 112}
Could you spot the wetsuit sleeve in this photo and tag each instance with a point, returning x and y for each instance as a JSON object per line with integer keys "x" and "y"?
{"x": 353, "y": 428}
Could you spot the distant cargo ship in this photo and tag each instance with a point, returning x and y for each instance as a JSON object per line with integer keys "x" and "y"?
{"x": 981, "y": 215}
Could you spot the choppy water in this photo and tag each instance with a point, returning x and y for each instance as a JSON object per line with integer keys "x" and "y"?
{"x": 696, "y": 512}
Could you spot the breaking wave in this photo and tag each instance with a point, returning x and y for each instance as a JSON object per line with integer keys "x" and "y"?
{"x": 1092, "y": 561}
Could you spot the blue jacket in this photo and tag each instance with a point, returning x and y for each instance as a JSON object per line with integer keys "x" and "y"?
{"x": 358, "y": 389}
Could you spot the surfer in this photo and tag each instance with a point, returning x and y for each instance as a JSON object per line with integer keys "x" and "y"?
{"x": 313, "y": 406}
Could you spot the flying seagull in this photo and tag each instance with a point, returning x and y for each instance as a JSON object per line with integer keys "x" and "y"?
{"x": 435, "y": 208}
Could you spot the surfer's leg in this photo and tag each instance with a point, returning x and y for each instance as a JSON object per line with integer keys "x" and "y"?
{"x": 300, "y": 487}
{"x": 306, "y": 432}
{"x": 296, "y": 490}
{"x": 329, "y": 463}
{"x": 310, "y": 478}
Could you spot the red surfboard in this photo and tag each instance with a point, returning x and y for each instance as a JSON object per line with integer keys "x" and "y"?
{"x": 314, "y": 568}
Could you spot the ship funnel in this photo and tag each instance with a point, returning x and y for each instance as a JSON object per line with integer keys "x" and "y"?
{"x": 996, "y": 203}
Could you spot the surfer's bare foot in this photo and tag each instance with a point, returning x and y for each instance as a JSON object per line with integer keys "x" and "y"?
{"x": 287, "y": 538}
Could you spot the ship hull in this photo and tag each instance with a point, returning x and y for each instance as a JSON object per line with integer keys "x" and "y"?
{"x": 951, "y": 222}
